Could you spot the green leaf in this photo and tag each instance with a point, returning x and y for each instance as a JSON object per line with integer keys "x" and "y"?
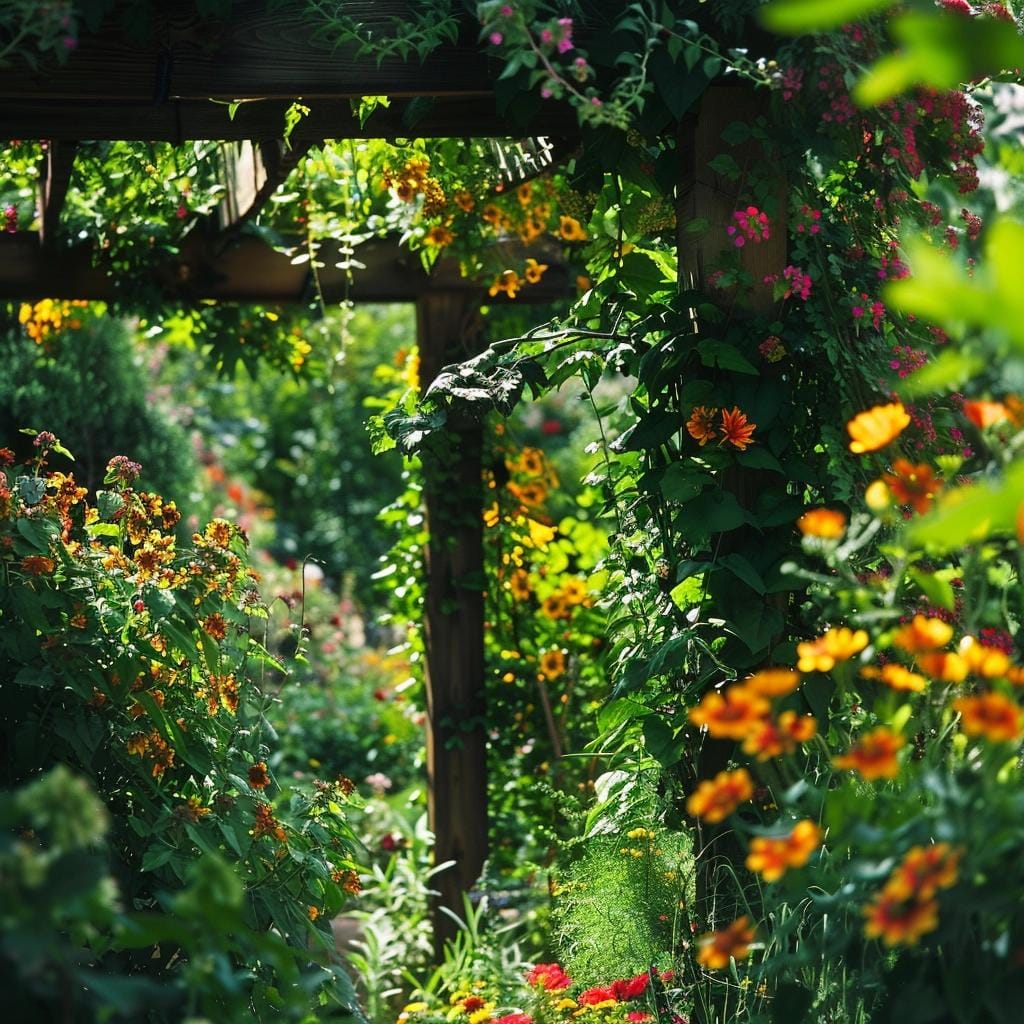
{"x": 682, "y": 483}
{"x": 950, "y": 369}
{"x": 661, "y": 742}
{"x": 759, "y": 457}
{"x": 623, "y": 709}
{"x": 722, "y": 354}
{"x": 802, "y": 17}
{"x": 937, "y": 590}
{"x": 741, "y": 568}
{"x": 31, "y": 489}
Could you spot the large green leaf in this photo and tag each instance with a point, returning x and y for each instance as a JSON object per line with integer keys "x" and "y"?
{"x": 801, "y": 17}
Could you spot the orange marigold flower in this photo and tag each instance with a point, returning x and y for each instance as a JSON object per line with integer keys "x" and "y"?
{"x": 987, "y": 662}
{"x": 312, "y": 912}
{"x": 507, "y": 282}
{"x": 216, "y": 626}
{"x": 992, "y": 716}
{"x": 732, "y": 943}
{"x": 534, "y": 271}
{"x": 571, "y": 230}
{"x": 801, "y": 728}
{"x": 219, "y": 532}
{"x": 730, "y": 715}
{"x": 874, "y": 754}
{"x": 770, "y": 738}
{"x": 701, "y": 425}
{"x": 896, "y": 677}
{"x": 876, "y": 427}
{"x": 773, "y": 682}
{"x": 552, "y": 664}
{"x": 555, "y": 606}
{"x": 736, "y": 430}
{"x": 985, "y": 414}
{"x": 715, "y": 799}
{"x": 438, "y": 237}
{"x": 258, "y": 775}
{"x": 524, "y": 193}
{"x": 911, "y": 484}
{"x": 923, "y": 634}
{"x": 464, "y": 200}
{"x": 38, "y": 565}
{"x": 897, "y": 921}
{"x": 822, "y": 654}
{"x": 771, "y": 856}
{"x": 924, "y": 870}
{"x": 519, "y": 584}
{"x": 491, "y": 214}
{"x": 574, "y": 590}
{"x": 946, "y": 666}
{"x": 827, "y": 523}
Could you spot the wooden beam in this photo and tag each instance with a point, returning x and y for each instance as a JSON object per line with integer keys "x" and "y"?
{"x": 244, "y": 268}
{"x": 252, "y": 173}
{"x": 30, "y": 117}
{"x": 54, "y": 177}
{"x": 448, "y": 330}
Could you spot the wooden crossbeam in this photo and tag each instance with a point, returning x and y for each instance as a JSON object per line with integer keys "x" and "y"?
{"x": 247, "y": 269}
{"x": 54, "y": 178}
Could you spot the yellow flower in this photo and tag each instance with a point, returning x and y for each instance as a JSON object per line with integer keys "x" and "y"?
{"x": 571, "y": 230}
{"x": 838, "y": 644}
{"x": 731, "y": 715}
{"x": 534, "y": 271}
{"x": 822, "y": 522}
{"x": 507, "y": 282}
{"x": 773, "y": 682}
{"x": 552, "y": 664}
{"x": 771, "y": 856}
{"x": 992, "y": 716}
{"x": 876, "y": 427}
{"x": 715, "y": 799}
{"x": 439, "y": 236}
{"x": 732, "y": 943}
{"x": 923, "y": 634}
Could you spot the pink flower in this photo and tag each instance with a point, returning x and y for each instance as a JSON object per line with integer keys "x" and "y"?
{"x": 549, "y": 977}
{"x": 506, "y": 11}
{"x": 495, "y": 38}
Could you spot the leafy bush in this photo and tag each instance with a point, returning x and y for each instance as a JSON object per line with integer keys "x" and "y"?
{"x": 132, "y": 661}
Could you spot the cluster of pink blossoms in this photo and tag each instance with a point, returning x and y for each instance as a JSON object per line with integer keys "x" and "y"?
{"x": 750, "y": 225}
{"x": 10, "y": 218}
{"x": 797, "y": 283}
{"x": 864, "y": 307}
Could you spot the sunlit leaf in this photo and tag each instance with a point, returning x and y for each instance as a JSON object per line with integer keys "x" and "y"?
{"x": 799, "y": 17}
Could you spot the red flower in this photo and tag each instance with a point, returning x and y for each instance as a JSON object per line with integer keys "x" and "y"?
{"x": 630, "y": 988}
{"x": 735, "y": 428}
{"x": 550, "y": 977}
{"x": 597, "y": 994}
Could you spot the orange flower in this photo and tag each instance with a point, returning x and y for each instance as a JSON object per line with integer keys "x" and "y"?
{"x": 491, "y": 214}
{"x": 912, "y": 485}
{"x": 508, "y": 281}
{"x": 985, "y": 414}
{"x": 899, "y": 921}
{"x": 552, "y": 664}
{"x": 923, "y": 634}
{"x": 464, "y": 201}
{"x": 771, "y": 856}
{"x": 924, "y": 870}
{"x": 519, "y": 584}
{"x": 876, "y": 427}
{"x": 38, "y": 565}
{"x": 571, "y": 230}
{"x": 732, "y": 943}
{"x": 524, "y": 193}
{"x": 258, "y": 776}
{"x": 700, "y": 425}
{"x": 822, "y": 522}
{"x": 987, "y": 662}
{"x": 216, "y": 626}
{"x": 874, "y": 754}
{"x": 945, "y": 666}
{"x": 897, "y": 677}
{"x": 773, "y": 682}
{"x": 731, "y": 716}
{"x": 555, "y": 606}
{"x": 990, "y": 715}
{"x": 438, "y": 237}
{"x": 768, "y": 738}
{"x": 715, "y": 799}
{"x": 736, "y": 430}
{"x": 534, "y": 271}
{"x": 312, "y": 912}
{"x": 838, "y": 644}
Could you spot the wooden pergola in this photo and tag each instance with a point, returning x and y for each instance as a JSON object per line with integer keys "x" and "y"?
{"x": 176, "y": 89}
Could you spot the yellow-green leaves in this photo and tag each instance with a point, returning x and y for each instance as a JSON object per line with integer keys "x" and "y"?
{"x": 799, "y": 17}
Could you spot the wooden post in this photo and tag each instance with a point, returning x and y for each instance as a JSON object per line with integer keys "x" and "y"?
{"x": 448, "y": 329}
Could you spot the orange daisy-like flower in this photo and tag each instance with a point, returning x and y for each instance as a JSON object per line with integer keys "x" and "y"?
{"x": 946, "y": 666}
{"x": 555, "y": 606}
{"x": 491, "y": 214}
{"x": 730, "y": 715}
{"x": 985, "y": 414}
{"x": 987, "y": 662}
{"x": 215, "y": 625}
{"x": 992, "y": 716}
{"x": 439, "y": 236}
{"x": 897, "y": 921}
{"x": 896, "y": 677}
{"x": 519, "y": 584}
{"x": 911, "y": 484}
{"x": 827, "y": 523}
{"x": 769, "y": 738}
{"x": 876, "y": 427}
{"x": 874, "y": 754}
{"x": 838, "y": 644}
{"x": 534, "y": 271}
{"x": 552, "y": 664}
{"x": 571, "y": 230}
{"x": 507, "y": 282}
{"x": 259, "y": 777}
{"x": 715, "y": 799}
{"x": 736, "y": 430}
{"x": 923, "y": 634}
{"x": 732, "y": 943}
{"x": 924, "y": 870}
{"x": 701, "y": 425}
{"x": 773, "y": 682}
{"x": 38, "y": 565}
{"x": 464, "y": 200}
{"x": 770, "y": 857}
